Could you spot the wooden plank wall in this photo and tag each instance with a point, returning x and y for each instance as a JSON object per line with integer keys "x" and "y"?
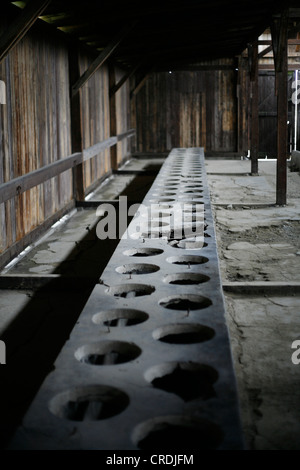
{"x": 123, "y": 117}
{"x": 268, "y": 114}
{"x": 182, "y": 109}
{"x": 95, "y": 119}
{"x": 35, "y": 128}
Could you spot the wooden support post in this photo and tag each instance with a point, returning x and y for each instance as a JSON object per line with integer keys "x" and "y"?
{"x": 142, "y": 82}
{"x": 265, "y": 51}
{"x": 17, "y": 30}
{"x": 113, "y": 117}
{"x": 242, "y": 109}
{"x": 254, "y": 125}
{"x": 76, "y": 125}
{"x": 279, "y": 38}
{"x": 121, "y": 82}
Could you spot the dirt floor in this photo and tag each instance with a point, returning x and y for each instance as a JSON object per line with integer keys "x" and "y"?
{"x": 259, "y": 253}
{"x": 254, "y": 255}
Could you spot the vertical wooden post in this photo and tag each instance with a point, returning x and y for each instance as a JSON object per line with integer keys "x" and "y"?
{"x": 239, "y": 92}
{"x": 76, "y": 124}
{"x": 243, "y": 97}
{"x": 254, "y": 125}
{"x": 279, "y": 40}
{"x": 113, "y": 117}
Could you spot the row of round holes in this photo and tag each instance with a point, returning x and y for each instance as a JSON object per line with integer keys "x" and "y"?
{"x": 82, "y": 353}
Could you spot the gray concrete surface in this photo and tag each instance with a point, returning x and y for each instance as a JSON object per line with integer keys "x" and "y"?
{"x": 44, "y": 290}
{"x": 184, "y": 333}
{"x": 259, "y": 243}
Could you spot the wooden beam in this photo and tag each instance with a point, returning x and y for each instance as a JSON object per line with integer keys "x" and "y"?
{"x": 243, "y": 93}
{"x": 173, "y": 67}
{"x": 125, "y": 77}
{"x": 291, "y": 42}
{"x": 113, "y": 117}
{"x": 102, "y": 57}
{"x": 279, "y": 31}
{"x": 125, "y": 135}
{"x": 141, "y": 82}
{"x": 97, "y": 148}
{"x": 76, "y": 124}
{"x": 254, "y": 124}
{"x": 22, "y": 183}
{"x": 265, "y": 51}
{"x": 271, "y": 68}
{"x": 17, "y": 30}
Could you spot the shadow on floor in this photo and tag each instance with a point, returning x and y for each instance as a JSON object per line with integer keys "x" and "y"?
{"x": 34, "y": 339}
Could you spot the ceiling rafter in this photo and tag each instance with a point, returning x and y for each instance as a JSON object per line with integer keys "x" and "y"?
{"x": 167, "y": 32}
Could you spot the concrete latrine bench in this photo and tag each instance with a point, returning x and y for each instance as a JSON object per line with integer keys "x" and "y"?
{"x": 148, "y": 364}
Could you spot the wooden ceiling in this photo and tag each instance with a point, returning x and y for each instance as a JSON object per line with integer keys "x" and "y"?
{"x": 163, "y": 34}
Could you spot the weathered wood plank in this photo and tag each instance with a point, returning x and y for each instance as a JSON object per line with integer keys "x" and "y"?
{"x": 19, "y": 185}
{"x": 125, "y": 77}
{"x": 112, "y": 117}
{"x": 141, "y": 82}
{"x": 97, "y": 148}
{"x": 76, "y": 124}
{"x": 254, "y": 122}
{"x": 102, "y": 57}
{"x": 279, "y": 31}
{"x": 23, "y": 22}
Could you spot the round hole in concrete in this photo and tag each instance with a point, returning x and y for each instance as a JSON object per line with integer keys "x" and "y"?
{"x": 188, "y": 191}
{"x": 160, "y": 215}
{"x": 188, "y": 244}
{"x": 154, "y": 233}
{"x": 177, "y": 432}
{"x": 182, "y": 333}
{"x": 120, "y": 317}
{"x": 189, "y": 209}
{"x": 194, "y": 187}
{"x": 186, "y": 278}
{"x": 187, "y": 260}
{"x": 143, "y": 252}
{"x": 194, "y": 192}
{"x": 191, "y": 184}
{"x": 89, "y": 403}
{"x": 155, "y": 223}
{"x": 107, "y": 353}
{"x": 191, "y": 193}
{"x": 194, "y": 175}
{"x": 185, "y": 302}
{"x": 191, "y": 229}
{"x": 162, "y": 200}
{"x": 194, "y": 217}
{"x": 168, "y": 186}
{"x": 195, "y": 180}
{"x": 165, "y": 206}
{"x": 193, "y": 243}
{"x": 188, "y": 380}
{"x": 130, "y": 290}
{"x": 192, "y": 206}
{"x": 137, "y": 268}
{"x": 195, "y": 201}
{"x": 165, "y": 193}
